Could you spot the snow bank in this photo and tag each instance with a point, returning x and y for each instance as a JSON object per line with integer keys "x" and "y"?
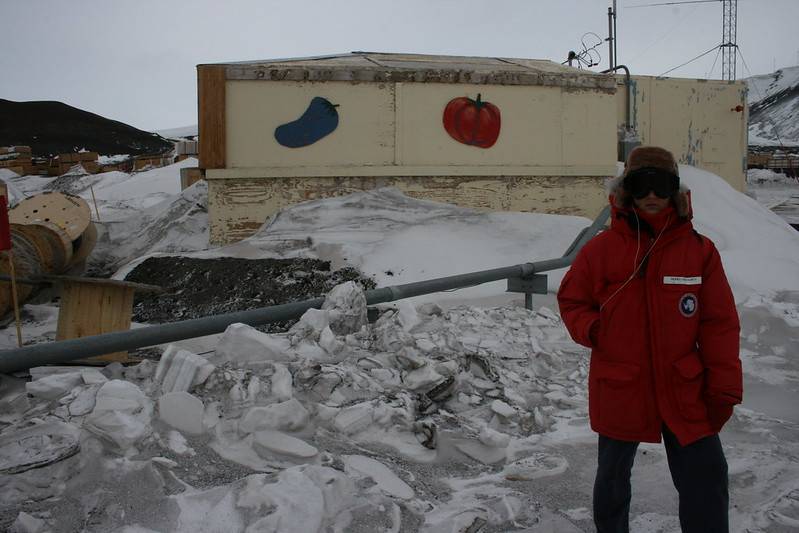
{"x": 759, "y": 250}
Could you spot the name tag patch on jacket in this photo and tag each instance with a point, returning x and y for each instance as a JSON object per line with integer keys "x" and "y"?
{"x": 681, "y": 280}
{"x": 688, "y": 305}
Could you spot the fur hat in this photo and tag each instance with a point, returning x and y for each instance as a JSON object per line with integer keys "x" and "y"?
{"x": 650, "y": 156}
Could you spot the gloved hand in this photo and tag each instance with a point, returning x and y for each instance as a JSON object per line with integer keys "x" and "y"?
{"x": 719, "y": 410}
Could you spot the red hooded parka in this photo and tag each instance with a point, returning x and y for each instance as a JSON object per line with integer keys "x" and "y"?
{"x": 664, "y": 342}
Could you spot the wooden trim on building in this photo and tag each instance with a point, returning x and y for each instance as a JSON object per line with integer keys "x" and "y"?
{"x": 211, "y": 113}
{"x": 441, "y": 171}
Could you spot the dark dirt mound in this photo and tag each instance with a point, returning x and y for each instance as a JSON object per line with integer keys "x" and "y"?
{"x": 51, "y": 128}
{"x": 204, "y": 287}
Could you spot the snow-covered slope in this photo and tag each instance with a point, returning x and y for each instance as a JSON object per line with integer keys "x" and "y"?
{"x": 179, "y": 133}
{"x": 774, "y": 108}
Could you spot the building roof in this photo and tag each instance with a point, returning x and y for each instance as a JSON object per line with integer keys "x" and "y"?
{"x": 418, "y": 68}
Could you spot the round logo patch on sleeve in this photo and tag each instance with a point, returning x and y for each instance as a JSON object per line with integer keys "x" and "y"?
{"x": 688, "y": 305}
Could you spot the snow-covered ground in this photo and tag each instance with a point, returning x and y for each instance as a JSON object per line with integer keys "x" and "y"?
{"x": 459, "y": 411}
{"x": 777, "y": 192}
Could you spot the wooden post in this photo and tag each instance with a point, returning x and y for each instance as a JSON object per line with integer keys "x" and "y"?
{"x": 14, "y": 297}
{"x": 91, "y": 188}
{"x": 211, "y": 114}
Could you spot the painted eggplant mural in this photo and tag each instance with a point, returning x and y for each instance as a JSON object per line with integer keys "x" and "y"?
{"x": 318, "y": 121}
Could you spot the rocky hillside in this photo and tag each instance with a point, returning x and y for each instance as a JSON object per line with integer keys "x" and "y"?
{"x": 51, "y": 128}
{"x": 774, "y": 108}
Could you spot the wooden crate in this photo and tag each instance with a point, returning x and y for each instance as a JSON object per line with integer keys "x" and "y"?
{"x": 189, "y": 176}
{"x": 92, "y": 167}
{"x": 91, "y": 306}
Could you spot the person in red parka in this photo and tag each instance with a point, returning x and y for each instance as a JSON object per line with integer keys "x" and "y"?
{"x": 649, "y": 297}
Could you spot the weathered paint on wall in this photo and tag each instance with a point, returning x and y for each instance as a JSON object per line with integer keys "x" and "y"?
{"x": 238, "y": 207}
{"x": 544, "y": 129}
{"x": 364, "y": 136}
{"x": 392, "y": 134}
{"x": 695, "y": 119}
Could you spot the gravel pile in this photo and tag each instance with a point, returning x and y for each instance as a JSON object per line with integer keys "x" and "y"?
{"x": 203, "y": 287}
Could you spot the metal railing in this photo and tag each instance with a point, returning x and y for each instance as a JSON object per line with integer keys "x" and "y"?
{"x": 68, "y": 350}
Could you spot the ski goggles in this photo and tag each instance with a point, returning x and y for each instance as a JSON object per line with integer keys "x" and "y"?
{"x": 641, "y": 181}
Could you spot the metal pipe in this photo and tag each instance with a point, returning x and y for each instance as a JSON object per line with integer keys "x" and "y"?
{"x": 628, "y": 83}
{"x": 63, "y": 351}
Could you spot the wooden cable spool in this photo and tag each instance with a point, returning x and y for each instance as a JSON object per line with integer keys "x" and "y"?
{"x": 50, "y": 233}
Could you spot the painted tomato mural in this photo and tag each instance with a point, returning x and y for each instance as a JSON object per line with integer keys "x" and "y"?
{"x": 472, "y": 122}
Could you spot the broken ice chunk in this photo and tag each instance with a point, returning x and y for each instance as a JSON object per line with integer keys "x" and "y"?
{"x": 480, "y": 452}
{"x": 490, "y": 437}
{"x": 182, "y": 411}
{"x": 386, "y": 480}
{"x": 121, "y": 414}
{"x": 502, "y": 409}
{"x": 84, "y": 401}
{"x": 143, "y": 370}
{"x": 349, "y": 302}
{"x": 535, "y": 466}
{"x": 54, "y": 386}
{"x": 270, "y": 441}
{"x": 36, "y": 446}
{"x": 244, "y": 344}
{"x": 430, "y": 309}
{"x": 407, "y": 315}
{"x": 26, "y": 523}
{"x": 285, "y": 416}
{"x": 211, "y": 416}
{"x": 421, "y": 377}
{"x": 180, "y": 370}
{"x": 310, "y": 325}
{"x": 329, "y": 342}
{"x": 409, "y": 359}
{"x": 176, "y": 442}
{"x": 426, "y": 345}
{"x": 282, "y": 383}
{"x": 92, "y": 376}
{"x": 354, "y": 418}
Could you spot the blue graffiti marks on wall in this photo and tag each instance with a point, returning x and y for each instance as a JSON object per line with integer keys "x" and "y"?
{"x": 318, "y": 121}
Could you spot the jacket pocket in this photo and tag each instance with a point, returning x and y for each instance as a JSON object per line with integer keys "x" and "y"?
{"x": 620, "y": 405}
{"x": 688, "y": 380}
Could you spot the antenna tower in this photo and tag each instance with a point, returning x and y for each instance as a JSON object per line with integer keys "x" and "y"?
{"x": 729, "y": 48}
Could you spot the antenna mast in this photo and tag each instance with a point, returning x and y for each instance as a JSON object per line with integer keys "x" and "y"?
{"x": 613, "y": 58}
{"x": 729, "y": 48}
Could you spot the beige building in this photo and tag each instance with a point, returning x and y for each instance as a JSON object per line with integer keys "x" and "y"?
{"x": 703, "y": 122}
{"x": 493, "y": 133}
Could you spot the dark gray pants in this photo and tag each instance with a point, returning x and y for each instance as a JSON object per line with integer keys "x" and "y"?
{"x": 698, "y": 470}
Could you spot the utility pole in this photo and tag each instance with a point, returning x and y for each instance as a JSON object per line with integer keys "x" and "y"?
{"x": 729, "y": 47}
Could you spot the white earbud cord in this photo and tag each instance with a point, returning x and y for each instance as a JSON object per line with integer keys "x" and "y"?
{"x": 637, "y": 249}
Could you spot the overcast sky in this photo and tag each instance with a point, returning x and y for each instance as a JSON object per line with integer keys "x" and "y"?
{"x": 135, "y": 60}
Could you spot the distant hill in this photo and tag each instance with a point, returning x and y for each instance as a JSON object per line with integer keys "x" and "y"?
{"x": 51, "y": 128}
{"x": 774, "y": 108}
